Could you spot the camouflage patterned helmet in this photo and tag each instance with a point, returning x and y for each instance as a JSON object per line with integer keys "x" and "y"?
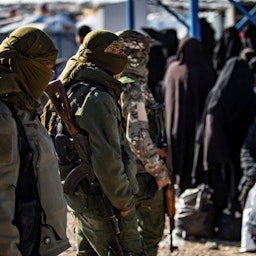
{"x": 135, "y": 41}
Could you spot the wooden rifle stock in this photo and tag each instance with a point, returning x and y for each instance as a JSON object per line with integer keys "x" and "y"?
{"x": 170, "y": 210}
{"x": 170, "y": 197}
{"x": 169, "y": 189}
{"x": 59, "y": 98}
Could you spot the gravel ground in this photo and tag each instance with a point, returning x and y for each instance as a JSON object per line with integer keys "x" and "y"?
{"x": 188, "y": 247}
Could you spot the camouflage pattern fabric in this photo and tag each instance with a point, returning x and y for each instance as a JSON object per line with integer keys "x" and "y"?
{"x": 134, "y": 99}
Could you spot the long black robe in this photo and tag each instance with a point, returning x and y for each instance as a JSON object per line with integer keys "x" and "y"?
{"x": 229, "y": 110}
{"x": 187, "y": 83}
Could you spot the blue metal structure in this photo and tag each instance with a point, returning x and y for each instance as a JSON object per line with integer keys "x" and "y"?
{"x": 159, "y": 2}
{"x": 130, "y": 14}
{"x": 243, "y": 21}
{"x": 194, "y": 26}
{"x": 194, "y": 30}
{"x": 242, "y": 10}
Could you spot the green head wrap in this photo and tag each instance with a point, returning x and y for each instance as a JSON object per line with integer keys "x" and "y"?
{"x": 27, "y": 51}
{"x": 98, "y": 49}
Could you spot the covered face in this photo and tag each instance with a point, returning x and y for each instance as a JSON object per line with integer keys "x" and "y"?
{"x": 104, "y": 49}
{"x": 137, "y": 49}
{"x": 30, "y": 53}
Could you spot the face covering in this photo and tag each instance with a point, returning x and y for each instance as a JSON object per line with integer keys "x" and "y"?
{"x": 28, "y": 51}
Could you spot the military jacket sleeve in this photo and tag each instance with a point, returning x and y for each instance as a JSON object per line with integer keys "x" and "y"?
{"x": 47, "y": 177}
{"x": 101, "y": 118}
{"x": 134, "y": 98}
{"x": 9, "y": 170}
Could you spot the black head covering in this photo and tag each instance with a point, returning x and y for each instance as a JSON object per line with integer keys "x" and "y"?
{"x": 229, "y": 45}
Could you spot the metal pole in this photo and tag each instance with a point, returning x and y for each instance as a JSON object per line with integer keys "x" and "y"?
{"x": 243, "y": 10}
{"x": 194, "y": 20}
{"x": 243, "y": 21}
{"x": 159, "y": 2}
{"x": 130, "y": 14}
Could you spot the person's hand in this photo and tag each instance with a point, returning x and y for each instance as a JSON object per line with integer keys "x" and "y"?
{"x": 162, "y": 152}
{"x": 163, "y": 182}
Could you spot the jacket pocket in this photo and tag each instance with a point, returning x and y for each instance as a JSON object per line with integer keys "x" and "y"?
{"x": 50, "y": 243}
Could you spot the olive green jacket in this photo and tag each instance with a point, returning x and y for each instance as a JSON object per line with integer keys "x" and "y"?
{"x": 46, "y": 173}
{"x": 113, "y": 162}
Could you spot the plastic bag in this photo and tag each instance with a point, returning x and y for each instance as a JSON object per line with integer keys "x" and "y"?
{"x": 247, "y": 243}
{"x": 195, "y": 212}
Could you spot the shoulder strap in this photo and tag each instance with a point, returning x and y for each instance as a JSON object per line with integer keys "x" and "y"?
{"x": 28, "y": 210}
{"x": 25, "y": 151}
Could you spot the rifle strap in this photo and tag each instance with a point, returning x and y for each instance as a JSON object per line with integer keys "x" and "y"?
{"x": 24, "y": 147}
{"x": 28, "y": 210}
{"x": 26, "y": 154}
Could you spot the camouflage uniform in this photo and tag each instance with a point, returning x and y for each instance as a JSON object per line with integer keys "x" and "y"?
{"x": 135, "y": 98}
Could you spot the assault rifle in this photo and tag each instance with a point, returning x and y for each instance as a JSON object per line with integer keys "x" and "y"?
{"x": 160, "y": 139}
{"x": 83, "y": 171}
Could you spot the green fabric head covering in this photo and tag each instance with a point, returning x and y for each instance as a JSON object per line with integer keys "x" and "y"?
{"x": 28, "y": 51}
{"x": 93, "y": 53}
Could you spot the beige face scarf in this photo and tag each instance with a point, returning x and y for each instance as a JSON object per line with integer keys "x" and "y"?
{"x": 28, "y": 51}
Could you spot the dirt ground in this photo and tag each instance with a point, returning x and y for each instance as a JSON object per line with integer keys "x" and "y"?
{"x": 191, "y": 247}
